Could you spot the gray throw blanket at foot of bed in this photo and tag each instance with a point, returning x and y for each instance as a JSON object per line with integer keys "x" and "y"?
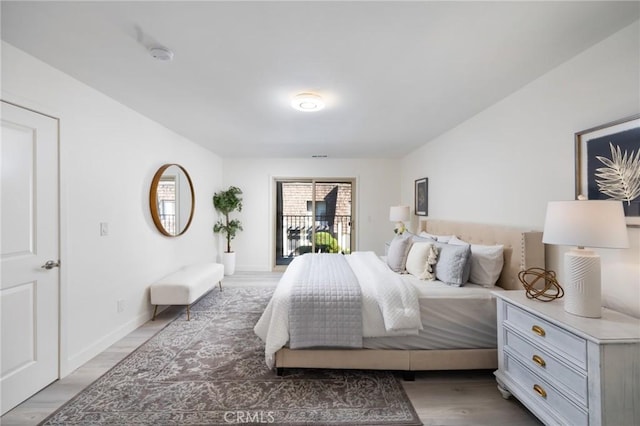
{"x": 326, "y": 304}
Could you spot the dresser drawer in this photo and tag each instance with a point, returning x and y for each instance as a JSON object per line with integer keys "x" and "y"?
{"x": 571, "y": 381}
{"x": 541, "y": 331}
{"x": 544, "y": 395}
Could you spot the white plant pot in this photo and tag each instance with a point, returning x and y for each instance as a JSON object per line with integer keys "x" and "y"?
{"x": 229, "y": 262}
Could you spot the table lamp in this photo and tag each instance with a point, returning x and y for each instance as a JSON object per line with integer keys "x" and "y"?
{"x": 584, "y": 223}
{"x": 399, "y": 214}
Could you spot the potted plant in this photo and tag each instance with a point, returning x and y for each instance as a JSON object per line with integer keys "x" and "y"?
{"x": 226, "y": 202}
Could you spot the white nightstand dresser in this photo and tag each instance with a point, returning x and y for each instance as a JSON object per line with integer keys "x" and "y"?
{"x": 568, "y": 370}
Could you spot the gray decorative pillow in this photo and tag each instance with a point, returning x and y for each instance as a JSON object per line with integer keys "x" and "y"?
{"x": 454, "y": 264}
{"x": 468, "y": 269}
{"x": 397, "y": 254}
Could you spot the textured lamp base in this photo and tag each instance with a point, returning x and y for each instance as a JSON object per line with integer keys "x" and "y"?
{"x": 582, "y": 288}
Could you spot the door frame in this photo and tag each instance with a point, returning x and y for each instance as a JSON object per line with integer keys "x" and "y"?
{"x": 63, "y": 364}
{"x": 312, "y": 180}
{"x": 63, "y": 368}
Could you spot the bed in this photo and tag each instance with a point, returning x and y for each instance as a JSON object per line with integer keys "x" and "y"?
{"x": 414, "y": 352}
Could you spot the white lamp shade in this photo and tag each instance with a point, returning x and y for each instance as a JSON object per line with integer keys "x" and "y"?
{"x": 586, "y": 223}
{"x": 399, "y": 213}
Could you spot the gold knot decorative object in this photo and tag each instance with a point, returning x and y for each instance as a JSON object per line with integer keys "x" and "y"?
{"x": 551, "y": 290}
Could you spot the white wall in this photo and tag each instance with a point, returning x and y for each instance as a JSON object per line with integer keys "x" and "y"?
{"x": 376, "y": 189}
{"x": 108, "y": 156}
{"x": 506, "y": 163}
{"x": 501, "y": 166}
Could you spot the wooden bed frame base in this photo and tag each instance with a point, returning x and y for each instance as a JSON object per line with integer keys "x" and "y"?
{"x": 522, "y": 249}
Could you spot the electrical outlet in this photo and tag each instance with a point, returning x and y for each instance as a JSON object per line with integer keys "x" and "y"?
{"x": 104, "y": 229}
{"x": 120, "y": 305}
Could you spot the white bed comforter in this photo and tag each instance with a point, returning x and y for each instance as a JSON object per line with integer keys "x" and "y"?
{"x": 390, "y": 307}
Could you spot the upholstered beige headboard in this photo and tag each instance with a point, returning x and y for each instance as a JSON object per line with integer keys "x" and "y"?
{"x": 522, "y": 249}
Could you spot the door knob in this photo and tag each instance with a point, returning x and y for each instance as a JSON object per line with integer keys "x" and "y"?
{"x": 51, "y": 264}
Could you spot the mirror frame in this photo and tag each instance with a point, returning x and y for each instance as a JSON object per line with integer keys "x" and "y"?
{"x": 153, "y": 200}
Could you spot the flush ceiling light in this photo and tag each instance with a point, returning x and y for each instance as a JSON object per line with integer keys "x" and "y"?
{"x": 161, "y": 53}
{"x": 307, "y": 102}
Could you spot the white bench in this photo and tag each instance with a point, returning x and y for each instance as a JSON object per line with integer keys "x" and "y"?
{"x": 186, "y": 285}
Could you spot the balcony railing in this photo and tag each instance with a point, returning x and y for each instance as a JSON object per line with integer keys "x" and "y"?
{"x": 168, "y": 222}
{"x": 332, "y": 235}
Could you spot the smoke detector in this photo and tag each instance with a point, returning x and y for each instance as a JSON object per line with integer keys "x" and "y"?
{"x": 161, "y": 53}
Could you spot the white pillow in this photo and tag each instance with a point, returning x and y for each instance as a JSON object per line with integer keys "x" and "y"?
{"x": 486, "y": 262}
{"x": 424, "y": 234}
{"x": 418, "y": 262}
{"x": 439, "y": 238}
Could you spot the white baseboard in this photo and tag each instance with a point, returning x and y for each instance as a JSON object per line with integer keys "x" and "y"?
{"x": 77, "y": 360}
{"x": 253, "y": 268}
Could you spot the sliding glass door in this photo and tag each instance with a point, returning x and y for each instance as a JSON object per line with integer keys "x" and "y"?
{"x": 313, "y": 215}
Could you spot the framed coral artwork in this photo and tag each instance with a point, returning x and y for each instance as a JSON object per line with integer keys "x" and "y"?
{"x": 608, "y": 164}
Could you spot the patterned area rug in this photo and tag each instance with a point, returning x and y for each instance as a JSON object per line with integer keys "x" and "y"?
{"x": 211, "y": 371}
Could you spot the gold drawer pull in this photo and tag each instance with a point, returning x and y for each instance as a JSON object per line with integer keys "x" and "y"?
{"x": 540, "y": 391}
{"x": 538, "y": 330}
{"x": 538, "y": 360}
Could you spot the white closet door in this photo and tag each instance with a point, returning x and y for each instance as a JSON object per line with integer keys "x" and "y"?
{"x": 29, "y": 237}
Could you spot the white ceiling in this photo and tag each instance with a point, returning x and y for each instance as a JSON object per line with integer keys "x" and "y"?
{"x": 394, "y": 74}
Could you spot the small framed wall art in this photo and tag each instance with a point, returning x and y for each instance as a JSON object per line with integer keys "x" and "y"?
{"x": 422, "y": 197}
{"x": 608, "y": 164}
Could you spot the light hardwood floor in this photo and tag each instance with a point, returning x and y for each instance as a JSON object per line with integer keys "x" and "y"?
{"x": 440, "y": 398}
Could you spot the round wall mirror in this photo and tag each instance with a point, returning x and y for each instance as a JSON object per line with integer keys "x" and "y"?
{"x": 171, "y": 200}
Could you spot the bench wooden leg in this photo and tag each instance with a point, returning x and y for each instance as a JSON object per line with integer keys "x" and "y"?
{"x": 154, "y": 313}
{"x": 220, "y": 284}
{"x": 188, "y": 312}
